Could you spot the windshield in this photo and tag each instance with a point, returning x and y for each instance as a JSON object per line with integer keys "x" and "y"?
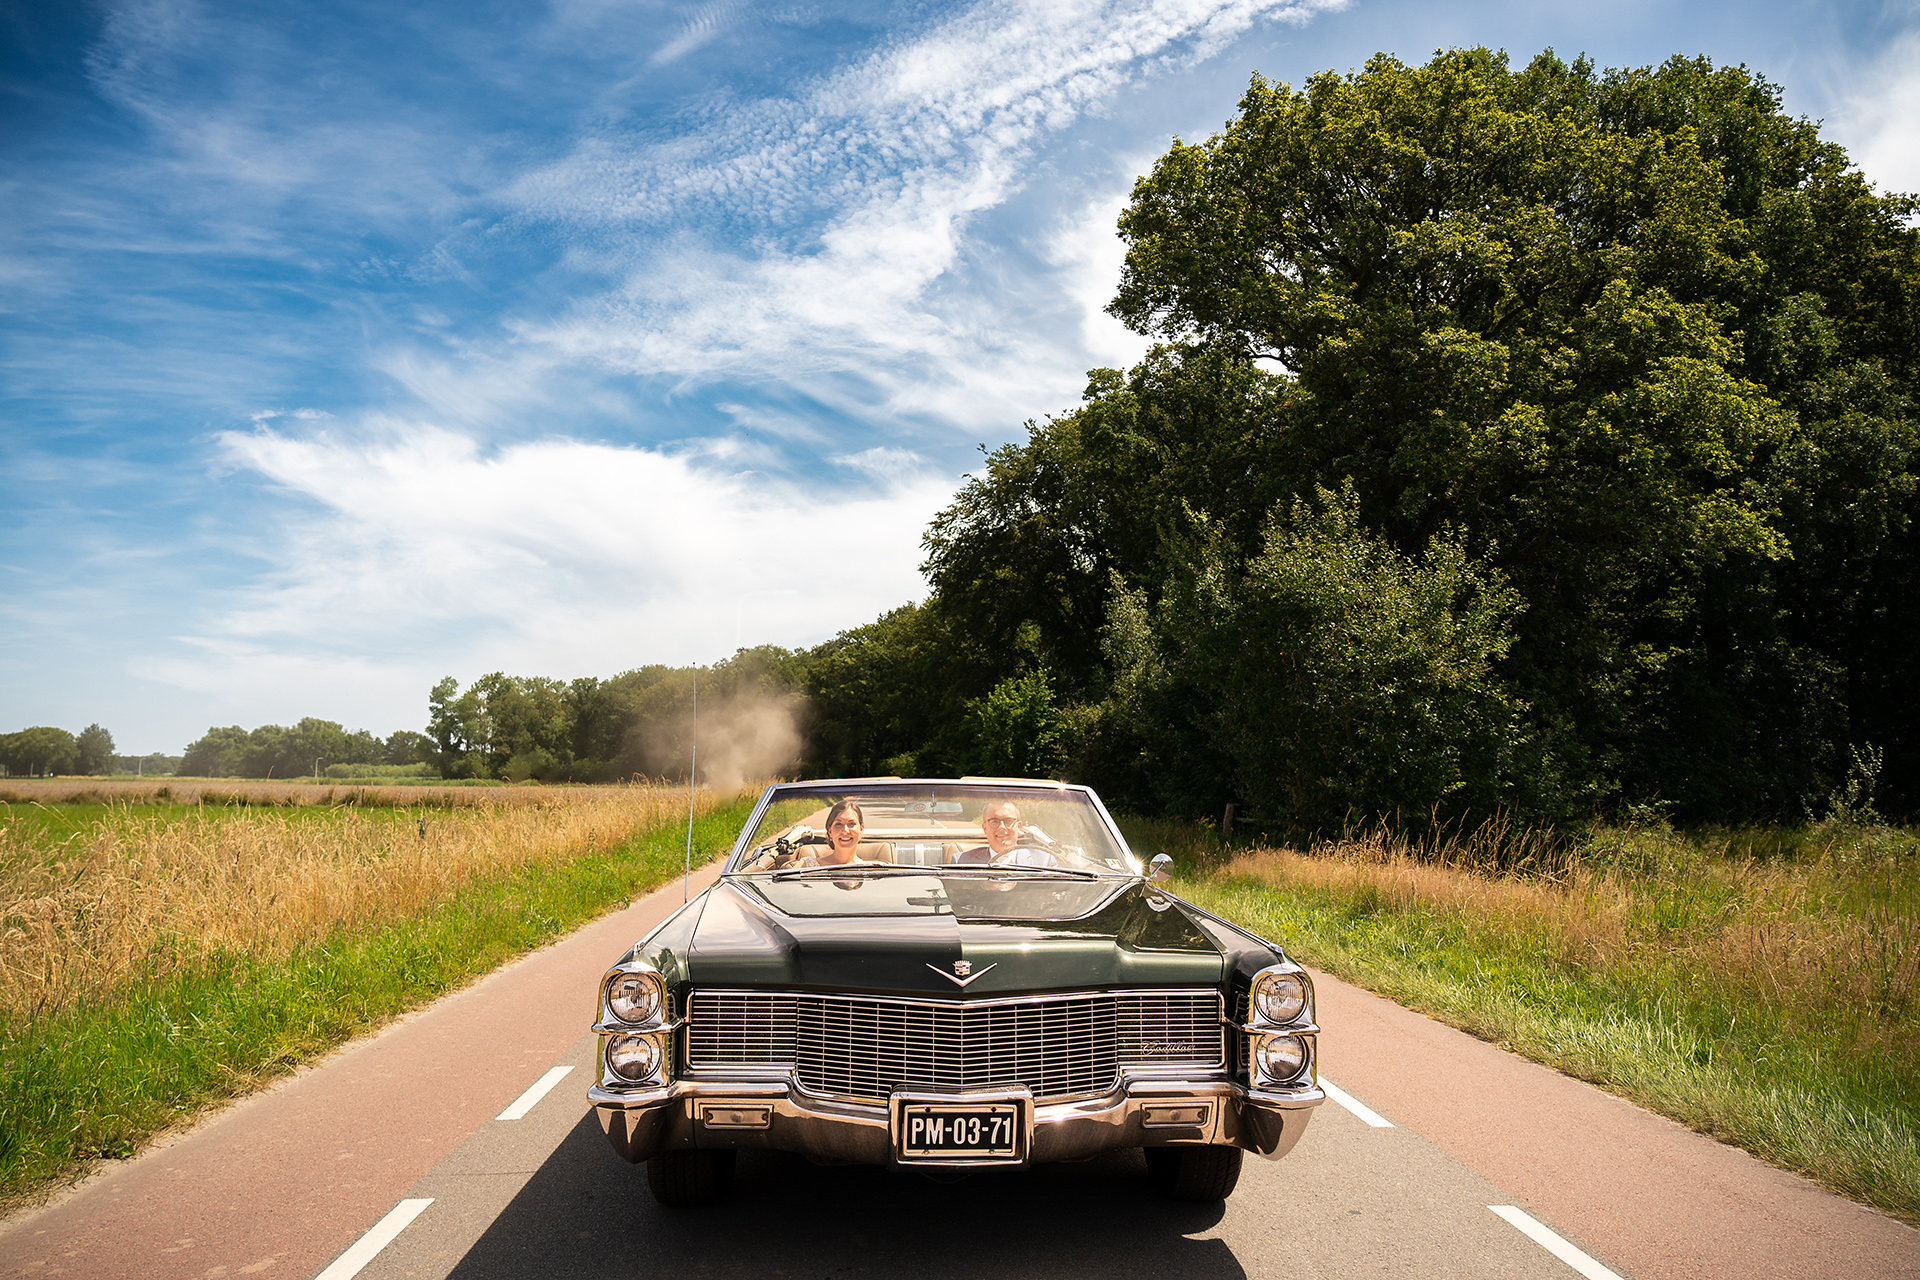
{"x": 961, "y": 827}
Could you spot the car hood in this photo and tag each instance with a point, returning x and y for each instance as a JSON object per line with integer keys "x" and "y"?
{"x": 899, "y": 934}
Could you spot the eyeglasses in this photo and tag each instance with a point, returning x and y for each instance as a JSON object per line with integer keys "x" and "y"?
{"x": 1000, "y": 822}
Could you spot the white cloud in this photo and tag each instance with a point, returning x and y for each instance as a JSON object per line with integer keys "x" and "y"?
{"x": 707, "y": 22}
{"x": 553, "y": 556}
{"x": 856, "y": 196}
{"x": 1877, "y": 115}
{"x": 1089, "y": 253}
{"x": 883, "y": 464}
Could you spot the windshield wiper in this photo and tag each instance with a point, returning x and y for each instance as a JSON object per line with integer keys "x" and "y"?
{"x": 852, "y": 868}
{"x": 970, "y": 870}
{"x": 994, "y": 868}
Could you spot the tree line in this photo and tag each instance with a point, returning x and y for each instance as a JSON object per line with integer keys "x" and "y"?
{"x": 43, "y": 751}
{"x": 304, "y": 749}
{"x": 752, "y": 714}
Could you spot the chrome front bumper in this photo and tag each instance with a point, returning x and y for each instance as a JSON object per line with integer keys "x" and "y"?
{"x": 773, "y": 1115}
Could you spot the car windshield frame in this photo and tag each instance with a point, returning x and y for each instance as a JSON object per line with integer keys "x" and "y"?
{"x": 1065, "y": 831}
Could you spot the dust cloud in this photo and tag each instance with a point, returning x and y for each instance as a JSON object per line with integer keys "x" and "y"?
{"x": 742, "y": 736}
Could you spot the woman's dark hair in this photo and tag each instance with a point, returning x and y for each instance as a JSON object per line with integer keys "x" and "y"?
{"x": 842, "y": 807}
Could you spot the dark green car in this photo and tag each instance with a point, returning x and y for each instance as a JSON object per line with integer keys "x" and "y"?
{"x": 949, "y": 975}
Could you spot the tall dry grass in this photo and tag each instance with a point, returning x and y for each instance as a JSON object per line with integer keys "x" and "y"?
{"x": 134, "y": 895}
{"x": 1762, "y": 986}
{"x": 1833, "y": 933}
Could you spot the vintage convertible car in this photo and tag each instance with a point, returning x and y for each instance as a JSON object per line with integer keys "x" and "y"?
{"x": 949, "y": 975}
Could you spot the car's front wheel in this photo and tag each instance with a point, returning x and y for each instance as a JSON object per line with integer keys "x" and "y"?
{"x": 683, "y": 1179}
{"x": 1194, "y": 1173}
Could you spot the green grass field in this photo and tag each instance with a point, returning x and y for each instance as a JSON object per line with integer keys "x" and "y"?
{"x": 98, "y": 1073}
{"x": 1760, "y": 987}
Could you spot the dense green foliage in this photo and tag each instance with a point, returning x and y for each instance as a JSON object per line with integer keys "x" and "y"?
{"x": 1615, "y": 375}
{"x": 1346, "y": 677}
{"x": 45, "y": 751}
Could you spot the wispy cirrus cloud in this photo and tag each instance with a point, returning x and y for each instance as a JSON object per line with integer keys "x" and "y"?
{"x": 848, "y": 207}
{"x": 707, "y": 22}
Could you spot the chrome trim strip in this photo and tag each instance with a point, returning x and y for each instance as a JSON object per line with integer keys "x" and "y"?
{"x": 619, "y": 1028}
{"x": 1274, "y": 1028}
{"x": 747, "y": 828}
{"x": 981, "y": 1002}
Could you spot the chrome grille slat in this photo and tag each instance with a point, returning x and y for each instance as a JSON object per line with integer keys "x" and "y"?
{"x": 864, "y": 1048}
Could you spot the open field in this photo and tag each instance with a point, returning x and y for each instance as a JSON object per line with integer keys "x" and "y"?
{"x": 248, "y": 791}
{"x": 1760, "y": 986}
{"x": 156, "y": 958}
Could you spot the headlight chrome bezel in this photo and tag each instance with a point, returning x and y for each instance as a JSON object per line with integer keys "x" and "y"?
{"x": 1282, "y": 1059}
{"x": 1281, "y": 999}
{"x": 1280, "y": 995}
{"x": 1280, "y": 1027}
{"x": 619, "y": 1006}
{"x": 638, "y": 1059}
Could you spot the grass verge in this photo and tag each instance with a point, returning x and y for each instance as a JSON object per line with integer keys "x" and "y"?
{"x": 1758, "y": 987}
{"x": 101, "y": 1073}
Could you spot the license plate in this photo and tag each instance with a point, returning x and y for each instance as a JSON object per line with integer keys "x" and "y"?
{"x": 958, "y": 1130}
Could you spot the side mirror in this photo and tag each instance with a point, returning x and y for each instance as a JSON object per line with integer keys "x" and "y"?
{"x": 1157, "y": 869}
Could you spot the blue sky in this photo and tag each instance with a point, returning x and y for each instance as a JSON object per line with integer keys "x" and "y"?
{"x": 346, "y": 346}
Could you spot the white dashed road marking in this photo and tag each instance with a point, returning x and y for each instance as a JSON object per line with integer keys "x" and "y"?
{"x": 1354, "y": 1105}
{"x": 348, "y": 1264}
{"x": 524, "y": 1103}
{"x": 1553, "y": 1244}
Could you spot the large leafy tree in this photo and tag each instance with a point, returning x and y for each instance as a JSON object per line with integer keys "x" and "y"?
{"x": 41, "y": 750}
{"x": 93, "y": 750}
{"x": 1644, "y": 342}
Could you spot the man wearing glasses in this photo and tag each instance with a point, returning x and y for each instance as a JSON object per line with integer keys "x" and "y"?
{"x": 1000, "y": 822}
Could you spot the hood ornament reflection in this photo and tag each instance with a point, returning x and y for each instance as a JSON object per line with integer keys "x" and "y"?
{"x": 961, "y": 969}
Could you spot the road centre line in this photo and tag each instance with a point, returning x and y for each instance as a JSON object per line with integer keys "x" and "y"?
{"x": 348, "y": 1264}
{"x": 536, "y": 1091}
{"x": 1553, "y": 1244}
{"x": 1354, "y": 1105}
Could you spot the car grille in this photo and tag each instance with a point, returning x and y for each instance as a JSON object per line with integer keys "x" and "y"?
{"x": 864, "y": 1048}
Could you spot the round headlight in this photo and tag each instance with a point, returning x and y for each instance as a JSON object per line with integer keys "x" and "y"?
{"x": 1280, "y": 997}
{"x": 634, "y": 997}
{"x": 1280, "y": 1058}
{"x": 633, "y": 1057}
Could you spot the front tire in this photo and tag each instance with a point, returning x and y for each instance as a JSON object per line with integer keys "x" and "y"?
{"x": 1194, "y": 1173}
{"x": 686, "y": 1179}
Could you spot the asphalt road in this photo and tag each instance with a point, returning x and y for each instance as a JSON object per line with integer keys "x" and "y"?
{"x": 401, "y": 1129}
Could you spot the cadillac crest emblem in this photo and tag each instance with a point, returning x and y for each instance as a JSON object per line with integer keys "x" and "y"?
{"x": 962, "y": 972}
